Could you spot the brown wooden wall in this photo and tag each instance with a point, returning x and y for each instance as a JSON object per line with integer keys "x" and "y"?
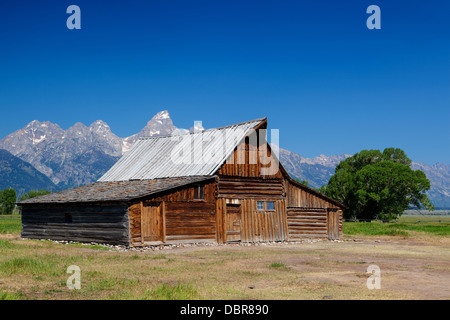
{"x": 307, "y": 223}
{"x": 245, "y": 162}
{"x": 188, "y": 221}
{"x": 183, "y": 217}
{"x": 301, "y": 198}
{"x": 314, "y": 223}
{"x": 98, "y": 222}
{"x": 256, "y": 226}
{"x": 311, "y": 216}
{"x": 238, "y": 187}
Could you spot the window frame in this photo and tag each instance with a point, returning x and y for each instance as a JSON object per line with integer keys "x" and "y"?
{"x": 257, "y": 207}
{"x": 267, "y": 207}
{"x": 199, "y": 192}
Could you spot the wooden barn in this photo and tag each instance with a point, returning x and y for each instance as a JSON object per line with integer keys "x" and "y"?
{"x": 219, "y": 185}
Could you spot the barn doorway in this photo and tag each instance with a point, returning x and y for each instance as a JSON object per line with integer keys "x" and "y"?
{"x": 233, "y": 222}
{"x": 333, "y": 224}
{"x": 151, "y": 225}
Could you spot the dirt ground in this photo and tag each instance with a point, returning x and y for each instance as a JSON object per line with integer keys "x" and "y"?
{"x": 417, "y": 268}
{"x": 410, "y": 268}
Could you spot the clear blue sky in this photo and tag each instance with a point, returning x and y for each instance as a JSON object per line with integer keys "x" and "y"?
{"x": 329, "y": 84}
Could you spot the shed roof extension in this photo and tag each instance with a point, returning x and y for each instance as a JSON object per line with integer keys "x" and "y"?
{"x": 117, "y": 191}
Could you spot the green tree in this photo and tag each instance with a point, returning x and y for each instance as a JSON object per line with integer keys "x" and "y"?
{"x": 375, "y": 184}
{"x": 34, "y": 193}
{"x": 8, "y": 200}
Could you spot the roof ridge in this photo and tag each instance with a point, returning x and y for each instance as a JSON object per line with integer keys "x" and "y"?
{"x": 210, "y": 129}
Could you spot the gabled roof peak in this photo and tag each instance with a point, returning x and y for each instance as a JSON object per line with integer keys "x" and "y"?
{"x": 168, "y": 157}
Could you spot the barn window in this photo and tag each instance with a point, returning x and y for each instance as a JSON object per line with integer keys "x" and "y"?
{"x": 270, "y": 205}
{"x": 199, "y": 192}
{"x": 260, "y": 205}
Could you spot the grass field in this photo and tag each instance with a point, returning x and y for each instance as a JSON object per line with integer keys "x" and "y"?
{"x": 414, "y": 259}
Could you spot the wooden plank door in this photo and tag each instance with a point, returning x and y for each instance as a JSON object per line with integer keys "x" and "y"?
{"x": 333, "y": 225}
{"x": 233, "y": 222}
{"x": 152, "y": 227}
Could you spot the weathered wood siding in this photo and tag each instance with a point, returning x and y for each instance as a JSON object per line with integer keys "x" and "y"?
{"x": 310, "y": 215}
{"x": 301, "y": 198}
{"x": 98, "y": 223}
{"x": 184, "y": 218}
{"x": 239, "y": 188}
{"x": 256, "y": 225}
{"x": 245, "y": 162}
{"x": 187, "y": 221}
{"x": 307, "y": 223}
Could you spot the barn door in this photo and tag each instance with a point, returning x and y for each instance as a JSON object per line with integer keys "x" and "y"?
{"x": 152, "y": 228}
{"x": 333, "y": 224}
{"x": 233, "y": 222}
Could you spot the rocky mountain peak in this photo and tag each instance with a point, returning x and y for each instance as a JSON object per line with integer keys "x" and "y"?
{"x": 80, "y": 154}
{"x": 161, "y": 115}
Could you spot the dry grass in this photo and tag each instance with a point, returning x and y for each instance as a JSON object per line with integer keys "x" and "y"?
{"x": 411, "y": 269}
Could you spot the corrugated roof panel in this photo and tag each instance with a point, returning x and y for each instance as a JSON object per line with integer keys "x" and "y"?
{"x": 191, "y": 154}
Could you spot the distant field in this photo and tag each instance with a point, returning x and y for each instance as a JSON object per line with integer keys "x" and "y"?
{"x": 415, "y": 212}
{"x": 10, "y": 225}
{"x": 414, "y": 261}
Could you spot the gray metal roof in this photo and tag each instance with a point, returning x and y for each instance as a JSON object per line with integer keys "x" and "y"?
{"x": 191, "y": 154}
{"x": 114, "y": 191}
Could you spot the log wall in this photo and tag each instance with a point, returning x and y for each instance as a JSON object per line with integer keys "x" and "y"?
{"x": 185, "y": 219}
{"x": 239, "y": 188}
{"x": 307, "y": 223}
{"x": 98, "y": 223}
{"x": 311, "y": 215}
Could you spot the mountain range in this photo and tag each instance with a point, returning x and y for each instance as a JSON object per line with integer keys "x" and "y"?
{"x": 43, "y": 155}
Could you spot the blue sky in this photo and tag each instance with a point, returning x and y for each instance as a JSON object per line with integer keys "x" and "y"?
{"x": 327, "y": 82}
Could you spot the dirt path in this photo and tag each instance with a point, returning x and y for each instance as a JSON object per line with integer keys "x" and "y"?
{"x": 409, "y": 269}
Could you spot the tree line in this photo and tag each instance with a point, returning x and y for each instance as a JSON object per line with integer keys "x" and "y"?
{"x": 378, "y": 185}
{"x": 8, "y": 198}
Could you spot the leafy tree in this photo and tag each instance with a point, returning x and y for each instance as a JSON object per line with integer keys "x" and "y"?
{"x": 34, "y": 193}
{"x": 375, "y": 184}
{"x": 8, "y": 200}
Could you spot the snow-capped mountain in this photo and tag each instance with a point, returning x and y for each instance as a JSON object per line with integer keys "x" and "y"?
{"x": 81, "y": 154}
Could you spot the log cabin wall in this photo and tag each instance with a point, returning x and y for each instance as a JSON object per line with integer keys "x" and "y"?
{"x": 99, "y": 222}
{"x": 311, "y": 216}
{"x": 183, "y": 218}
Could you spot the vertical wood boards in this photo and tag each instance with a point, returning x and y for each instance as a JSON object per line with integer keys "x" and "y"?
{"x": 300, "y": 198}
{"x": 255, "y": 225}
{"x": 233, "y": 222}
{"x": 152, "y": 222}
{"x": 333, "y": 224}
{"x": 246, "y": 161}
